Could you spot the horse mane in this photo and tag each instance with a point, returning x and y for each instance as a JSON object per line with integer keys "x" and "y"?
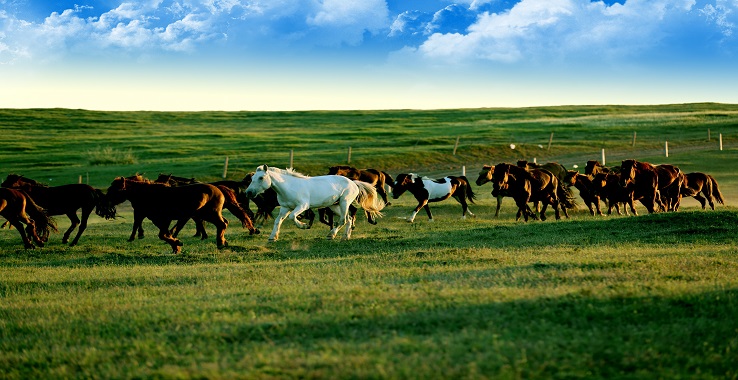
{"x": 28, "y": 181}
{"x": 289, "y": 171}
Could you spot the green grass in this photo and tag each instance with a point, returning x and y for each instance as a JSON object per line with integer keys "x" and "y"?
{"x": 654, "y": 296}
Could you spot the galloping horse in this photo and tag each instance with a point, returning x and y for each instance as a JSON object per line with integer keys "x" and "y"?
{"x": 63, "y": 200}
{"x": 16, "y": 207}
{"x": 607, "y": 186}
{"x": 267, "y": 201}
{"x": 566, "y": 196}
{"x": 485, "y": 175}
{"x": 162, "y": 204}
{"x": 706, "y": 184}
{"x": 594, "y": 167}
{"x": 528, "y": 186}
{"x": 652, "y": 182}
{"x": 586, "y": 190}
{"x": 235, "y": 200}
{"x": 428, "y": 190}
{"x": 375, "y": 177}
{"x": 297, "y": 193}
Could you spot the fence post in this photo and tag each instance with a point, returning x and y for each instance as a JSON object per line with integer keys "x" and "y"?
{"x": 463, "y": 170}
{"x": 721, "y": 141}
{"x": 603, "y": 156}
{"x": 634, "y": 138}
{"x": 348, "y": 160}
{"x": 292, "y": 156}
{"x": 80, "y": 178}
{"x": 225, "y": 167}
{"x": 534, "y": 160}
{"x": 550, "y": 140}
{"x": 708, "y": 134}
{"x": 666, "y": 148}
{"x": 456, "y": 145}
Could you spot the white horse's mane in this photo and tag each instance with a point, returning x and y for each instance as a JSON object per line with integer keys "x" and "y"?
{"x": 289, "y": 171}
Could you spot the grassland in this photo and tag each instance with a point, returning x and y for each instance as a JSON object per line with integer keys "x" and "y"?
{"x": 654, "y": 296}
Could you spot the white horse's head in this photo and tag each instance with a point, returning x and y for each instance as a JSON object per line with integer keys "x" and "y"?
{"x": 260, "y": 181}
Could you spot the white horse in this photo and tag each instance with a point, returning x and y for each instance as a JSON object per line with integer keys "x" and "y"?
{"x": 297, "y": 192}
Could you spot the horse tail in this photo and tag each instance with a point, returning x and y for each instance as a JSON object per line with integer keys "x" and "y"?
{"x": 388, "y": 179}
{"x": 468, "y": 190}
{"x": 103, "y": 207}
{"x": 369, "y": 199}
{"x": 44, "y": 223}
{"x": 232, "y": 205}
{"x": 716, "y": 190}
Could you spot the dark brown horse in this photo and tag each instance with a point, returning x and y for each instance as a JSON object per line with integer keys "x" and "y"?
{"x": 485, "y": 175}
{"x": 428, "y": 190}
{"x": 63, "y": 200}
{"x": 162, "y": 204}
{"x": 594, "y": 167}
{"x": 528, "y": 186}
{"x": 236, "y": 200}
{"x": 566, "y": 195}
{"x": 607, "y": 186}
{"x": 696, "y": 183}
{"x": 19, "y": 209}
{"x": 375, "y": 177}
{"x": 652, "y": 182}
{"x": 586, "y": 190}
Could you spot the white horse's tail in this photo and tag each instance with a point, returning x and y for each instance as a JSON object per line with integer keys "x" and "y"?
{"x": 369, "y": 200}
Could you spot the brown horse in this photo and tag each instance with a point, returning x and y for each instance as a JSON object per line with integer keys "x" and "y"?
{"x": 651, "y": 182}
{"x": 607, "y": 186}
{"x": 566, "y": 196}
{"x": 236, "y": 201}
{"x": 485, "y": 175}
{"x": 594, "y": 167}
{"x": 162, "y": 204}
{"x": 528, "y": 186}
{"x": 19, "y": 209}
{"x": 428, "y": 190}
{"x": 706, "y": 184}
{"x": 63, "y": 200}
{"x": 586, "y": 190}
{"x": 375, "y": 177}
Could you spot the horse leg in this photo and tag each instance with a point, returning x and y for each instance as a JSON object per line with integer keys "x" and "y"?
{"x": 75, "y": 222}
{"x": 82, "y": 226}
{"x": 428, "y": 211}
{"x": 15, "y": 222}
{"x": 499, "y": 204}
{"x": 340, "y": 210}
{"x": 137, "y": 226}
{"x": 283, "y": 213}
{"x": 421, "y": 204}
{"x": 164, "y": 234}
{"x": 221, "y": 224}
{"x": 464, "y": 207}
{"x": 296, "y": 212}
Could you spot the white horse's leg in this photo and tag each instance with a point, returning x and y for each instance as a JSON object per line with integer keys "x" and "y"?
{"x": 296, "y": 213}
{"x": 341, "y": 218}
{"x": 283, "y": 212}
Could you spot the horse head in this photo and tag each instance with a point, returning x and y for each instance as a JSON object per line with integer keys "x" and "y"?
{"x": 571, "y": 177}
{"x": 500, "y": 176}
{"x": 485, "y": 175}
{"x": 402, "y": 183}
{"x": 116, "y": 193}
{"x": 627, "y": 172}
{"x": 260, "y": 181}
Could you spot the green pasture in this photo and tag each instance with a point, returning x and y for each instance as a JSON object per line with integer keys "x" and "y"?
{"x": 653, "y": 296}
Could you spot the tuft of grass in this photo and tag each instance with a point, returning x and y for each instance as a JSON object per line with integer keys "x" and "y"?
{"x": 110, "y": 156}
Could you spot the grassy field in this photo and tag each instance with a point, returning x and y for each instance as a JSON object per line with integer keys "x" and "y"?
{"x": 653, "y": 296}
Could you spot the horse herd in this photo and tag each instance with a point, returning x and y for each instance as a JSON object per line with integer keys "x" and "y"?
{"x": 29, "y": 205}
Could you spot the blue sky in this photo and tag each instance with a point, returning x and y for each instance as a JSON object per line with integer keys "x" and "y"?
{"x": 364, "y": 54}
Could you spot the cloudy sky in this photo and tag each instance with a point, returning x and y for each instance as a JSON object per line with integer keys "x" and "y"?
{"x": 364, "y": 54}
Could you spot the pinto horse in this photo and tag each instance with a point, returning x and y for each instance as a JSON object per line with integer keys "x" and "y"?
{"x": 63, "y": 200}
{"x": 651, "y": 182}
{"x": 696, "y": 183}
{"x": 373, "y": 176}
{"x": 428, "y": 190}
{"x": 297, "y": 193}
{"x": 528, "y": 186}
{"x": 162, "y": 204}
{"x": 19, "y": 209}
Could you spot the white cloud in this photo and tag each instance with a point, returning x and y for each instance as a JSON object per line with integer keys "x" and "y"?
{"x": 350, "y": 18}
{"x": 562, "y": 30}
